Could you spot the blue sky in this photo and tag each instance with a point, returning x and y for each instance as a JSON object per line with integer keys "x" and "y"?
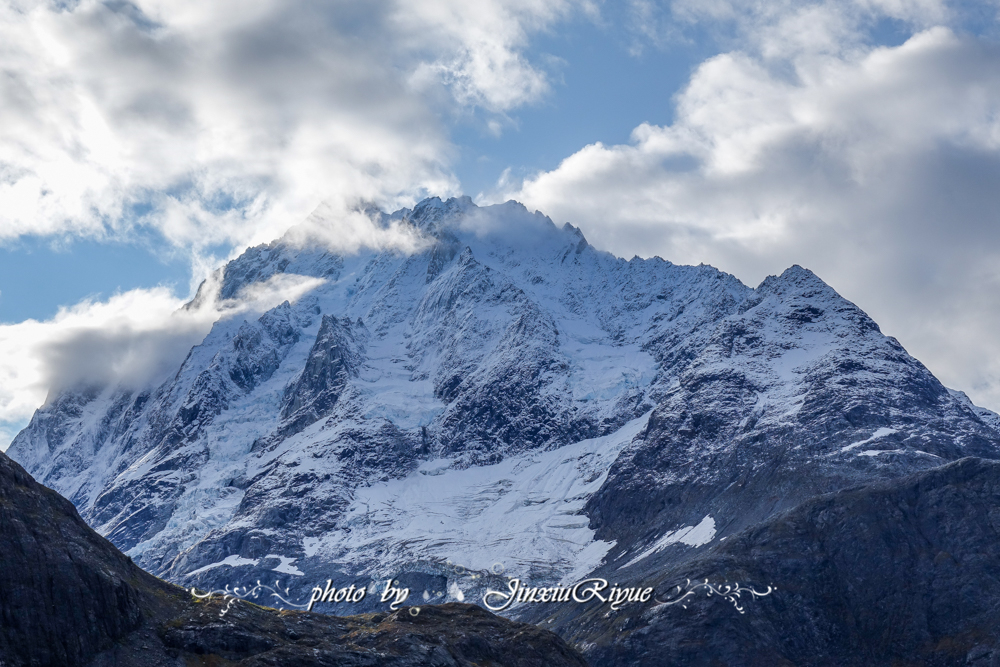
{"x": 142, "y": 144}
{"x": 38, "y": 275}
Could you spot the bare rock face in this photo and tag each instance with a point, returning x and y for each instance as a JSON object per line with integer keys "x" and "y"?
{"x": 335, "y": 358}
{"x": 66, "y": 592}
{"x": 69, "y": 598}
{"x": 902, "y": 572}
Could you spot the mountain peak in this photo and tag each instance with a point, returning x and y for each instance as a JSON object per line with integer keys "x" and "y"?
{"x": 794, "y": 279}
{"x": 429, "y": 213}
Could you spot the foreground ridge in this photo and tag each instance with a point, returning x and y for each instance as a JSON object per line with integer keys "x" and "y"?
{"x": 895, "y": 572}
{"x": 69, "y": 598}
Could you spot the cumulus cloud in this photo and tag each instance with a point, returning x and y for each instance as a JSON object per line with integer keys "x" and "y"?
{"x": 874, "y": 166}
{"x": 224, "y": 122}
{"x": 482, "y": 60}
{"x": 133, "y": 338}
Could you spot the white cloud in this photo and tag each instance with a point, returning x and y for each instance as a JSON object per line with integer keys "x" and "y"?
{"x": 133, "y": 338}
{"x": 876, "y": 167}
{"x": 225, "y": 122}
{"x": 348, "y": 232}
{"x": 118, "y": 332}
{"x": 482, "y": 59}
{"x": 782, "y": 28}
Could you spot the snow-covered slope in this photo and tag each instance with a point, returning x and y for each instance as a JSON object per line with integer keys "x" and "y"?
{"x": 796, "y": 394}
{"x": 509, "y": 399}
{"x": 506, "y": 336}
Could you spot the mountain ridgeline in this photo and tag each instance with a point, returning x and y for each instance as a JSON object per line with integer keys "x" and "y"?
{"x": 511, "y": 402}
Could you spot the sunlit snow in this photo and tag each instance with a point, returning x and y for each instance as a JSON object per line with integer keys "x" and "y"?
{"x": 880, "y": 433}
{"x": 524, "y": 513}
{"x": 231, "y": 561}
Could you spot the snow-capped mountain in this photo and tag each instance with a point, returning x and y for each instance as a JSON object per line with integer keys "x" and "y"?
{"x": 508, "y": 400}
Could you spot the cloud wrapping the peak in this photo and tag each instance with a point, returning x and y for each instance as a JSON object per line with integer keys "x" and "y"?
{"x": 347, "y": 233}
{"x": 133, "y": 339}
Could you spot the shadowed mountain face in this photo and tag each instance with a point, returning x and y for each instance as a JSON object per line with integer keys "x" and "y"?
{"x": 796, "y": 394}
{"x": 66, "y": 592}
{"x": 895, "y": 573}
{"x": 68, "y": 597}
{"x": 508, "y": 400}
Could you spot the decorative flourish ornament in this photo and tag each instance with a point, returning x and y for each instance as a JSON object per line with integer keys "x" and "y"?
{"x": 242, "y": 593}
{"x": 730, "y": 592}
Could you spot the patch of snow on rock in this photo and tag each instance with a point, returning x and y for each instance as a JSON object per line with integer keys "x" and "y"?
{"x": 693, "y": 536}
{"x": 231, "y": 561}
{"x": 880, "y": 433}
{"x": 287, "y": 565}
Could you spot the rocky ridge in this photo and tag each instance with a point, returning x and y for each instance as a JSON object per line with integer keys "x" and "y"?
{"x": 899, "y": 572}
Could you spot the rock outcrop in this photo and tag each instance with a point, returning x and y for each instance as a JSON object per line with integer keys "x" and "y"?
{"x": 902, "y": 572}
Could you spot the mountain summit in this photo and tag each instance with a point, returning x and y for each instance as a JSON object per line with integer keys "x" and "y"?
{"x": 505, "y": 401}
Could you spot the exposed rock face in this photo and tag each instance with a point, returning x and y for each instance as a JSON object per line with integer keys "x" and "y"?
{"x": 507, "y": 400}
{"x": 895, "y": 573}
{"x": 68, "y": 598}
{"x": 335, "y": 358}
{"x": 66, "y": 593}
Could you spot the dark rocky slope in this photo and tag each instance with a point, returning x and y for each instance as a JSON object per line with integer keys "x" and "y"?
{"x": 905, "y": 572}
{"x": 67, "y": 593}
{"x": 68, "y": 597}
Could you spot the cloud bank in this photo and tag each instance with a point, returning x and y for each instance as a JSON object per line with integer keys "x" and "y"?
{"x": 133, "y": 339}
{"x": 876, "y": 166}
{"x": 225, "y": 122}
